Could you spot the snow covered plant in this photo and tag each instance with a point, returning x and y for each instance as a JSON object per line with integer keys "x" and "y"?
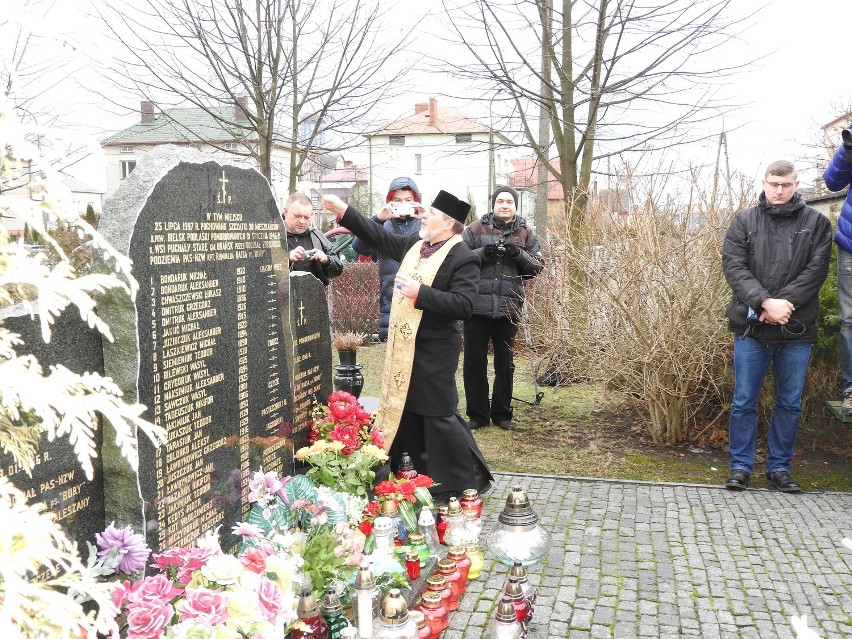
{"x": 31, "y": 543}
{"x": 57, "y": 402}
{"x": 42, "y": 580}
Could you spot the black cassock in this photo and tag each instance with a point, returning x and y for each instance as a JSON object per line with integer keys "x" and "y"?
{"x": 431, "y": 430}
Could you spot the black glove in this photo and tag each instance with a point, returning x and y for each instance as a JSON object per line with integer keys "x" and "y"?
{"x": 512, "y": 250}
{"x": 490, "y": 251}
{"x": 846, "y": 134}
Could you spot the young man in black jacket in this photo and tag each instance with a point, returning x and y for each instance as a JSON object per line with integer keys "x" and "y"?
{"x": 775, "y": 258}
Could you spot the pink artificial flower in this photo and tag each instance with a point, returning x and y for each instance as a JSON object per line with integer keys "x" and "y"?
{"x": 378, "y": 437}
{"x": 263, "y": 485}
{"x": 171, "y": 557}
{"x": 120, "y": 592}
{"x": 270, "y": 601}
{"x": 156, "y": 588}
{"x": 246, "y": 530}
{"x": 146, "y": 619}
{"x": 253, "y": 559}
{"x": 207, "y": 607}
{"x": 348, "y": 436}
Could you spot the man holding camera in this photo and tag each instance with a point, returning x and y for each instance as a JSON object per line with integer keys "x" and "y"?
{"x": 509, "y": 253}
{"x": 837, "y": 177}
{"x": 397, "y": 216}
{"x": 309, "y": 249}
{"x": 775, "y": 258}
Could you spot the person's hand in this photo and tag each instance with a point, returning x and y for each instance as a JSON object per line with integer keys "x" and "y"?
{"x": 407, "y": 286}
{"x": 776, "y": 311}
{"x": 334, "y": 204}
{"x": 490, "y": 251}
{"x": 385, "y": 213}
{"x": 512, "y": 250}
{"x": 319, "y": 256}
{"x": 298, "y": 254}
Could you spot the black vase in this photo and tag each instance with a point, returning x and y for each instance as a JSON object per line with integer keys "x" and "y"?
{"x": 347, "y": 374}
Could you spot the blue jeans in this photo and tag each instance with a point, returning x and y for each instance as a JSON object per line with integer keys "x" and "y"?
{"x": 844, "y": 297}
{"x": 751, "y": 362}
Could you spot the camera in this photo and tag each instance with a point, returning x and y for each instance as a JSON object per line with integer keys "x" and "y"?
{"x": 501, "y": 247}
{"x": 310, "y": 253}
{"x": 402, "y": 209}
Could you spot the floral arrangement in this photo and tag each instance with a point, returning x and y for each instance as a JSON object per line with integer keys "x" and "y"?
{"x": 406, "y": 493}
{"x": 345, "y": 446}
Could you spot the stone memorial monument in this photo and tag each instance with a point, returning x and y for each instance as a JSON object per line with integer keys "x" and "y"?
{"x": 205, "y": 344}
{"x": 313, "y": 373}
{"x": 57, "y": 480}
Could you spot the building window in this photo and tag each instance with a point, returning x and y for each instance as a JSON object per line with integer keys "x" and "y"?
{"x": 127, "y": 167}
{"x": 396, "y": 140}
{"x": 464, "y": 138}
{"x": 231, "y": 146}
{"x": 418, "y": 163}
{"x": 127, "y": 148}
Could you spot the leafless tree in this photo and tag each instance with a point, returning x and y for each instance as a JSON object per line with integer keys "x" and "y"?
{"x": 32, "y": 71}
{"x": 609, "y": 76}
{"x": 311, "y": 69}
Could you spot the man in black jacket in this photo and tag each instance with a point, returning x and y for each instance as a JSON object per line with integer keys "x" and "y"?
{"x": 309, "y": 249}
{"x": 775, "y": 258}
{"x": 510, "y": 254}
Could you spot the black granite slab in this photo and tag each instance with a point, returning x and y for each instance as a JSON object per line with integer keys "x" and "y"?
{"x": 57, "y": 479}
{"x": 205, "y": 343}
{"x": 313, "y": 372}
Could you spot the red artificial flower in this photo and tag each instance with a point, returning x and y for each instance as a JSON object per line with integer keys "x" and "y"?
{"x": 342, "y": 406}
{"x": 423, "y": 480}
{"x": 365, "y": 527}
{"x": 372, "y": 509}
{"x": 348, "y": 435}
{"x": 406, "y": 487}
{"x": 385, "y": 488}
{"x": 378, "y": 437}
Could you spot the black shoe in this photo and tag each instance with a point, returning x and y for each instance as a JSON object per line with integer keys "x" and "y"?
{"x": 472, "y": 425}
{"x": 783, "y": 482}
{"x": 738, "y": 480}
{"x": 507, "y": 425}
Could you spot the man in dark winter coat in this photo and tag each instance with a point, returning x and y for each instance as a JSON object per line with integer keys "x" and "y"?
{"x": 433, "y": 290}
{"x": 397, "y": 217}
{"x": 510, "y": 254}
{"x": 838, "y": 176}
{"x": 775, "y": 258}
{"x": 309, "y": 249}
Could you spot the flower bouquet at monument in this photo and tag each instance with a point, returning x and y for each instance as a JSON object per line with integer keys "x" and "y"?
{"x": 345, "y": 446}
{"x": 202, "y": 591}
{"x": 407, "y": 493}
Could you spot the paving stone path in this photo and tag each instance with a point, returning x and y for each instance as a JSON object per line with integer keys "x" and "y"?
{"x": 642, "y": 560}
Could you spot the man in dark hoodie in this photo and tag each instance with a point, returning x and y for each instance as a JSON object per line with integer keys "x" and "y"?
{"x": 775, "y": 258}
{"x": 509, "y": 253}
{"x": 397, "y": 217}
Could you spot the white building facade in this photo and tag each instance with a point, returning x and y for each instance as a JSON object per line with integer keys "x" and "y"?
{"x": 439, "y": 148}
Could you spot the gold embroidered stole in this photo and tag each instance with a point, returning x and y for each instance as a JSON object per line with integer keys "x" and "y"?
{"x": 402, "y": 331}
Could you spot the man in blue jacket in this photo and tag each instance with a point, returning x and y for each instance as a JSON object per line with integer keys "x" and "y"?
{"x": 775, "y": 258}
{"x": 838, "y": 176}
{"x": 397, "y": 217}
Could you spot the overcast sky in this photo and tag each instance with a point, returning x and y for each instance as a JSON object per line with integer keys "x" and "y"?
{"x": 798, "y": 86}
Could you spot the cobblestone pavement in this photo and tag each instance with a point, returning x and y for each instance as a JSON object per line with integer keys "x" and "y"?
{"x": 643, "y": 560}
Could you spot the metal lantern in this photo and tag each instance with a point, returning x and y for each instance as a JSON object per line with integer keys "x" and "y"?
{"x": 518, "y": 537}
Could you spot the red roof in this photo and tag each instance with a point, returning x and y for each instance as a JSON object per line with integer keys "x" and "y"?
{"x": 525, "y": 176}
{"x": 429, "y": 118}
{"x": 346, "y": 174}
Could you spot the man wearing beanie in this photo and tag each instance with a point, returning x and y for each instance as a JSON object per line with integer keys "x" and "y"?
{"x": 433, "y": 290}
{"x": 509, "y": 252}
{"x": 397, "y": 217}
